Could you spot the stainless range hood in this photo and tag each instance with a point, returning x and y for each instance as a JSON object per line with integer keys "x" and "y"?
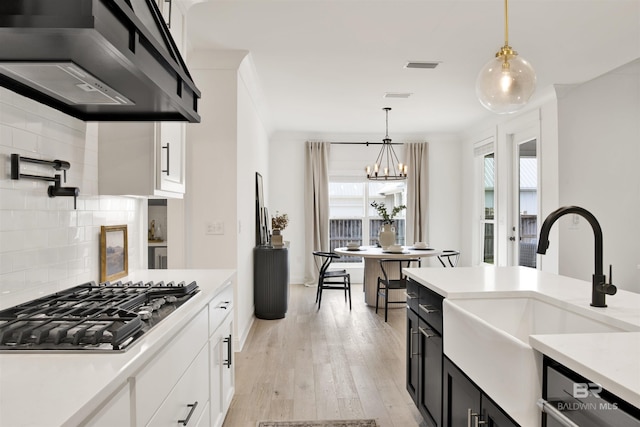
{"x": 97, "y": 60}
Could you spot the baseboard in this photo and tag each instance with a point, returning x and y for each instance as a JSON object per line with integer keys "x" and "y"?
{"x": 241, "y": 339}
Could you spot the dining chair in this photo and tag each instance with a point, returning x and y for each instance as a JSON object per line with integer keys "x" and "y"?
{"x": 450, "y": 256}
{"x": 386, "y": 283}
{"x": 331, "y": 279}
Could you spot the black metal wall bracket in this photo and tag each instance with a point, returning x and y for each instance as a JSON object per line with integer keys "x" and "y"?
{"x": 54, "y": 190}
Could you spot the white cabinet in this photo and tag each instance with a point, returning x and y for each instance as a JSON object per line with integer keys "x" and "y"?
{"x": 138, "y": 158}
{"x": 164, "y": 373}
{"x": 227, "y": 377}
{"x": 115, "y": 412}
{"x": 173, "y": 13}
{"x": 188, "y": 400}
{"x": 190, "y": 381}
{"x": 221, "y": 370}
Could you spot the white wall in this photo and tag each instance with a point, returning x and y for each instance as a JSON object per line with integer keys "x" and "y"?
{"x": 286, "y": 184}
{"x": 46, "y": 245}
{"x": 599, "y": 163}
{"x": 224, "y": 152}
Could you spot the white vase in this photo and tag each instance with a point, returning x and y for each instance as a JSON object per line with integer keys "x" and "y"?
{"x": 387, "y": 236}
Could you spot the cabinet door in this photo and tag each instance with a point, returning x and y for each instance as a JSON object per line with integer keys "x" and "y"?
{"x": 412, "y": 354}
{"x": 461, "y": 398}
{"x": 493, "y": 416}
{"x": 222, "y": 371}
{"x": 115, "y": 412}
{"x": 228, "y": 367}
{"x": 430, "y": 391}
{"x": 215, "y": 369}
{"x": 170, "y": 172}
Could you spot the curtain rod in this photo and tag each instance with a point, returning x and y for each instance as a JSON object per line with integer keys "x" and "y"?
{"x": 367, "y": 143}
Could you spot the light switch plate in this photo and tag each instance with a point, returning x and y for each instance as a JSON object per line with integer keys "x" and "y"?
{"x": 214, "y": 228}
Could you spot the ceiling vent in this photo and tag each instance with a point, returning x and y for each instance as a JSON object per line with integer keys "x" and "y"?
{"x": 401, "y": 95}
{"x": 421, "y": 64}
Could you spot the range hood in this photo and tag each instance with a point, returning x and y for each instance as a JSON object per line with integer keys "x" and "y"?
{"x": 96, "y": 60}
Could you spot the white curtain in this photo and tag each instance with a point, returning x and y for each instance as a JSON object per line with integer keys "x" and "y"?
{"x": 316, "y": 204}
{"x": 417, "y": 155}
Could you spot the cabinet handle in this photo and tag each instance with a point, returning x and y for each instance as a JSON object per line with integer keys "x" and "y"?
{"x": 425, "y": 333}
{"x": 475, "y": 417}
{"x": 413, "y": 332}
{"x": 424, "y": 308}
{"x": 227, "y": 361}
{"x": 166, "y": 147}
{"x": 554, "y": 413}
{"x": 410, "y": 295}
{"x": 224, "y": 305}
{"x": 193, "y": 408}
{"x": 170, "y": 6}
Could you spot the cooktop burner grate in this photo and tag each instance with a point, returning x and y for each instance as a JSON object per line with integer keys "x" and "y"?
{"x": 91, "y": 317}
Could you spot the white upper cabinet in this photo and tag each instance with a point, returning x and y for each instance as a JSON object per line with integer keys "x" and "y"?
{"x": 173, "y": 13}
{"x": 146, "y": 158}
{"x": 142, "y": 158}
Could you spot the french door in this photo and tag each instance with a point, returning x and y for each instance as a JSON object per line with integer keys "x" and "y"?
{"x": 524, "y": 204}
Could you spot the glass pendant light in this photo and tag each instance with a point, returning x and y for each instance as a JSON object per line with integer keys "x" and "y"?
{"x": 507, "y": 81}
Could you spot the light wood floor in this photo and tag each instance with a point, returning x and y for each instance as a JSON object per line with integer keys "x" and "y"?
{"x": 327, "y": 364}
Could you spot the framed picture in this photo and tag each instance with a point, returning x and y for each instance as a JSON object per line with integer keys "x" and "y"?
{"x": 114, "y": 259}
{"x": 261, "y": 236}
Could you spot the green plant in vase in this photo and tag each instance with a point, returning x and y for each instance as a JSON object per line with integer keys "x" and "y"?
{"x": 387, "y": 236}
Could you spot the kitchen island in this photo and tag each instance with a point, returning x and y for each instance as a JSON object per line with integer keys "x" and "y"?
{"x": 76, "y": 388}
{"x": 609, "y": 359}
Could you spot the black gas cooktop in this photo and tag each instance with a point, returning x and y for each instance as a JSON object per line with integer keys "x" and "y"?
{"x": 103, "y": 318}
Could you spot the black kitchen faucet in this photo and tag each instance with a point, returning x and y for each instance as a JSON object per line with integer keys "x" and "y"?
{"x": 599, "y": 286}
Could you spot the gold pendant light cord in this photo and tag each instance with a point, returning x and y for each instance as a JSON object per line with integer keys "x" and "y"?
{"x": 506, "y": 22}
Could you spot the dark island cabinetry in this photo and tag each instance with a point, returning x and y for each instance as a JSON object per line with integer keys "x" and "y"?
{"x": 424, "y": 351}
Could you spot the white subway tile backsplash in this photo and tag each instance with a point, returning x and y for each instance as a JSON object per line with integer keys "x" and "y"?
{"x": 46, "y": 245}
{"x": 27, "y": 141}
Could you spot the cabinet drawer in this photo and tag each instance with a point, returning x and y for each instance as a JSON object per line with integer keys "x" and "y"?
{"x": 155, "y": 381}
{"x": 413, "y": 294}
{"x": 188, "y": 400}
{"x": 220, "y": 307}
{"x": 430, "y": 308}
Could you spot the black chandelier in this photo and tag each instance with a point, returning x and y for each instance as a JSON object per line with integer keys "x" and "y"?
{"x": 387, "y": 166}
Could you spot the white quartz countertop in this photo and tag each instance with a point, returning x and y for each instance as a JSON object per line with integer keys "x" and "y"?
{"x": 611, "y": 359}
{"x": 53, "y": 389}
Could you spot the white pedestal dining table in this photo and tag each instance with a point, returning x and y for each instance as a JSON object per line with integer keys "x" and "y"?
{"x": 372, "y": 271}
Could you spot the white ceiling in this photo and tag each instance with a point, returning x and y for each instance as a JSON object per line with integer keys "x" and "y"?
{"x": 324, "y": 66}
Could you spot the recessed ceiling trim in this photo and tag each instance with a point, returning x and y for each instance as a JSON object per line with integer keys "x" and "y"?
{"x": 422, "y": 64}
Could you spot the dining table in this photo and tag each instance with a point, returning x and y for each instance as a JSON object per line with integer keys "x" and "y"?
{"x": 372, "y": 270}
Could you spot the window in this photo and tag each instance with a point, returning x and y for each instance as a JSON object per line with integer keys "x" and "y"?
{"x": 488, "y": 220}
{"x": 353, "y": 219}
{"x": 486, "y": 159}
